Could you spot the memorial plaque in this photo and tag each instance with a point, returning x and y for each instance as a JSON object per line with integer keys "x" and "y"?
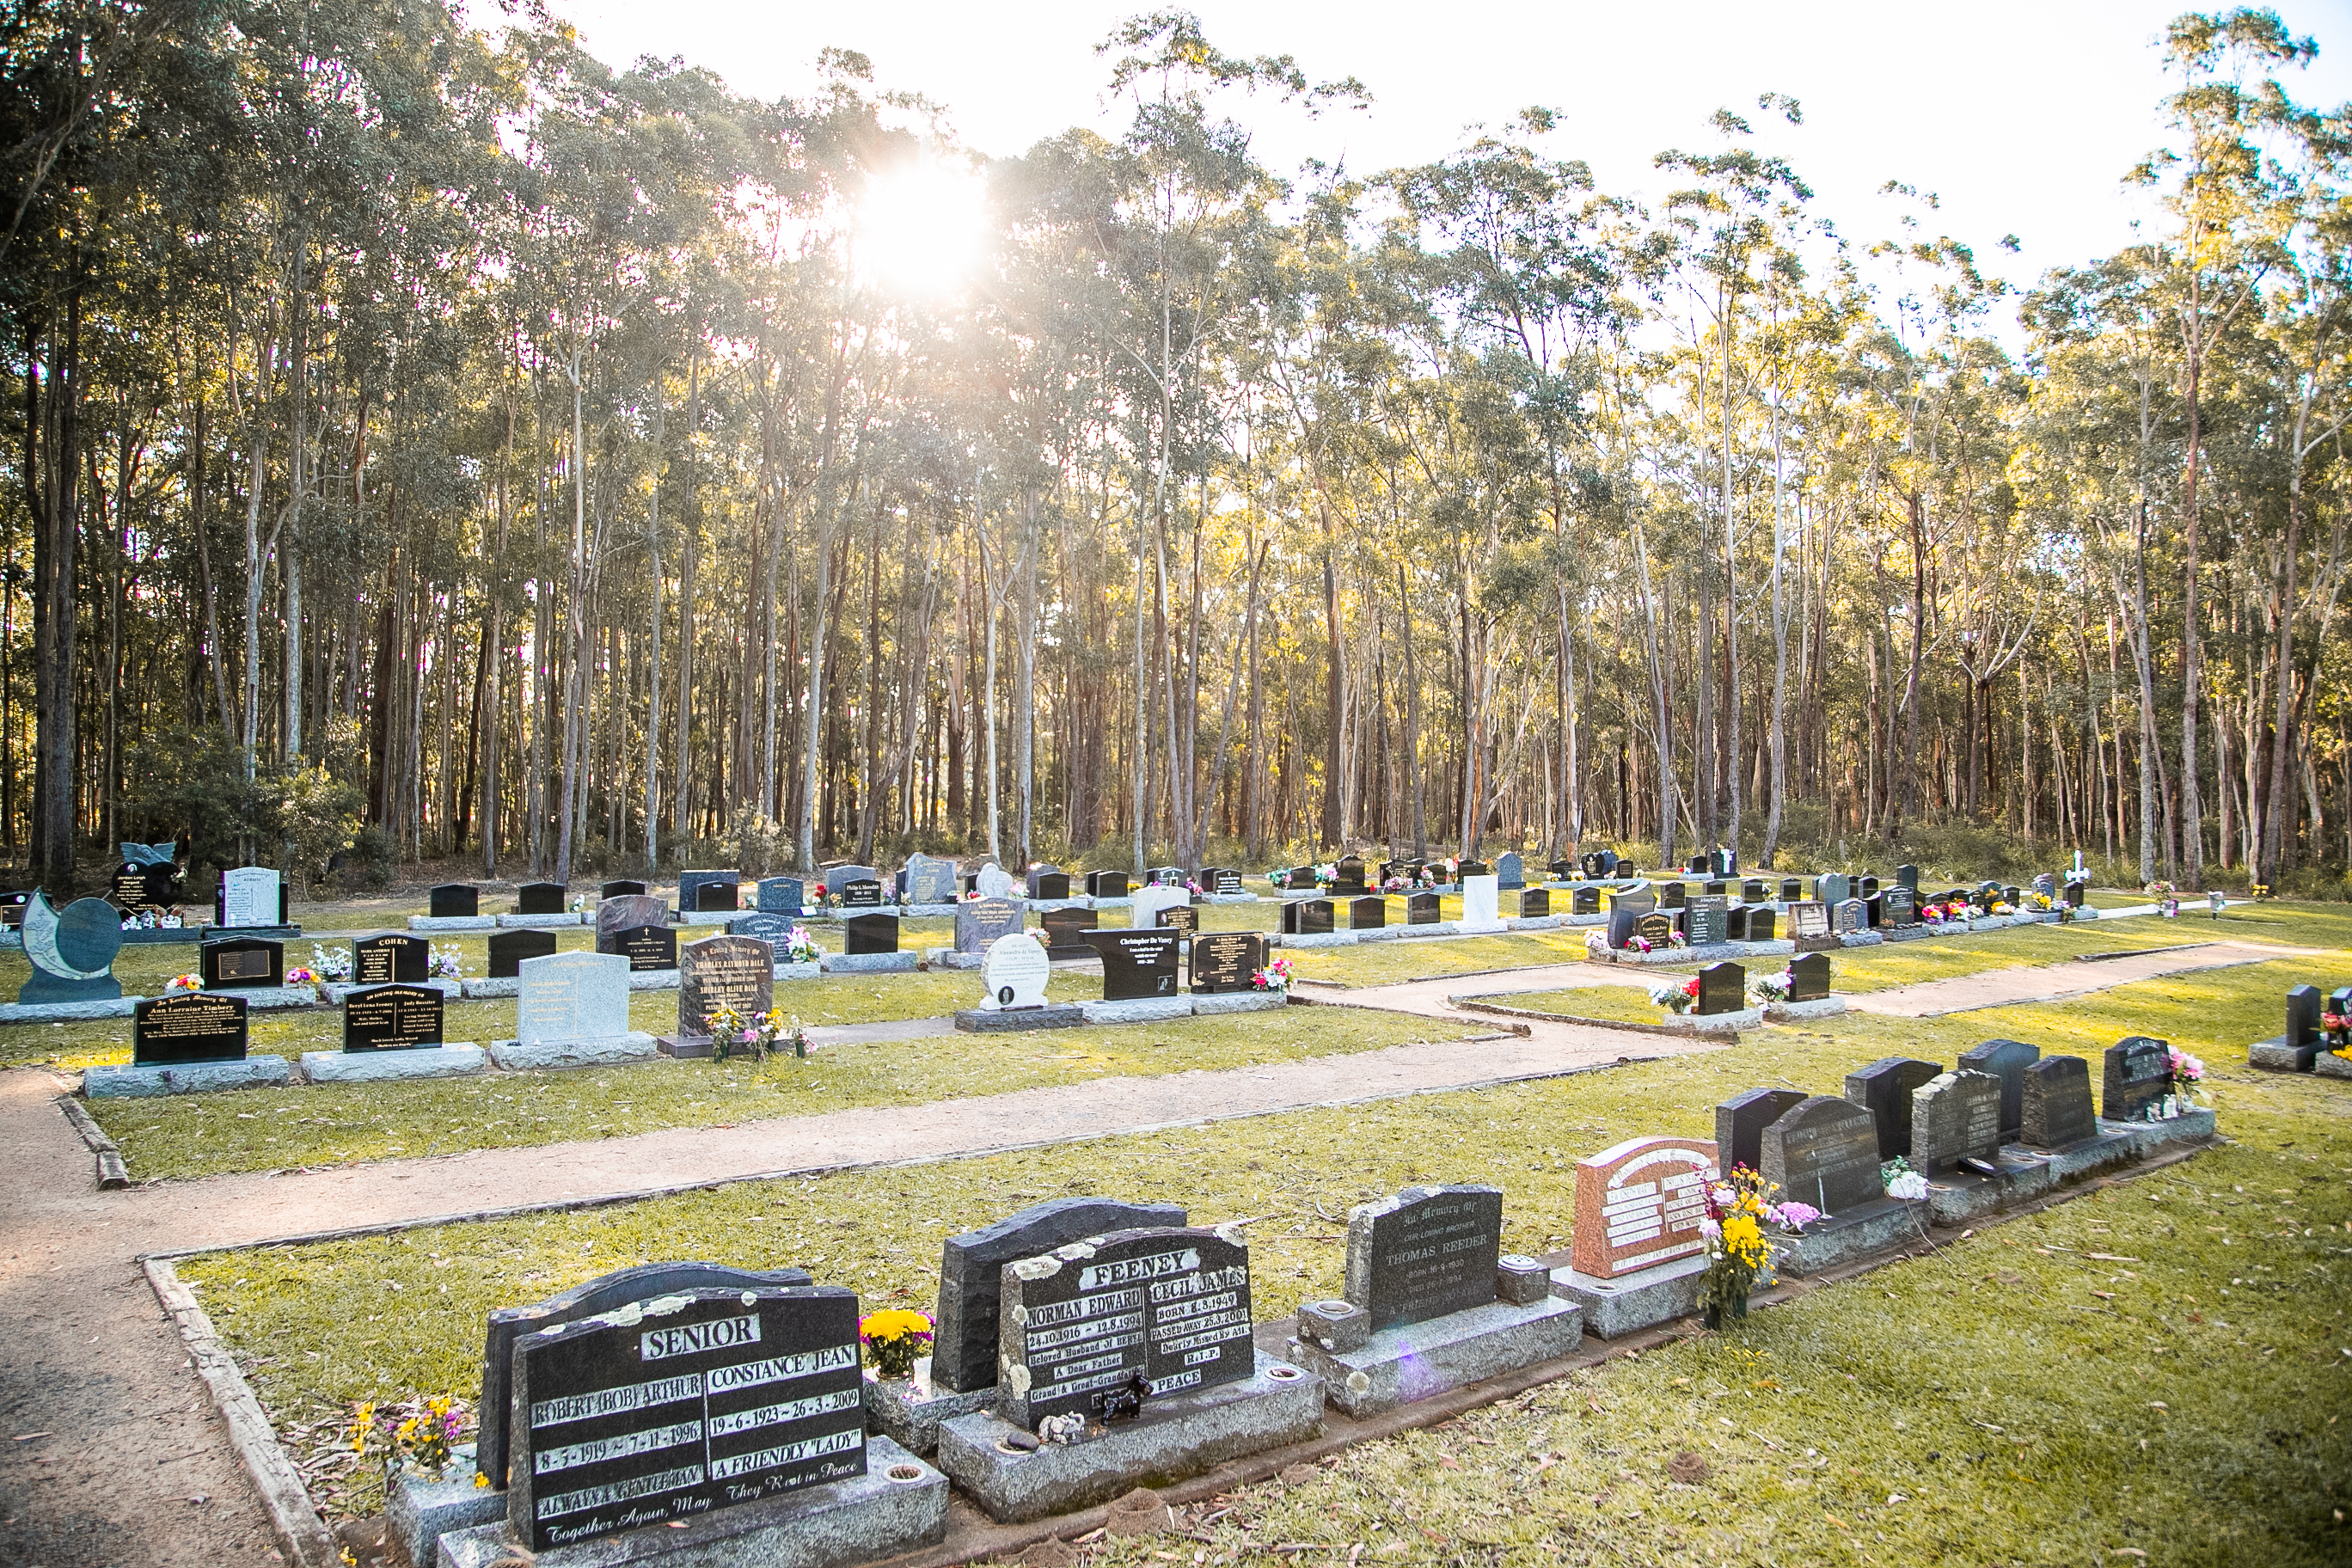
{"x": 1182, "y": 919}
{"x": 1424, "y": 1253}
{"x": 737, "y": 972}
{"x": 1105, "y": 884}
{"x": 1740, "y": 1125}
{"x": 625, "y": 887}
{"x": 1422, "y": 909}
{"x": 930, "y": 881}
{"x": 1809, "y": 919}
{"x": 646, "y": 947}
{"x": 391, "y": 960}
{"x": 1066, "y": 932}
{"x": 1823, "y": 1152}
{"x": 701, "y": 1400}
{"x": 1722, "y": 989}
{"x": 2058, "y": 1109}
{"x": 392, "y": 1018}
{"x": 1851, "y": 916}
{"x": 690, "y": 886}
{"x": 241, "y": 964}
{"x": 540, "y": 899}
{"x": 1370, "y": 913}
{"x": 626, "y": 912}
{"x": 1306, "y": 916}
{"x": 870, "y": 933}
{"x": 1015, "y": 973}
{"x": 1168, "y": 1306}
{"x": 1955, "y": 1115}
{"x": 782, "y": 896}
{"x": 568, "y": 996}
{"x": 1885, "y": 1088}
{"x": 1585, "y": 899}
{"x": 454, "y": 901}
{"x": 1225, "y": 882}
{"x": 1638, "y": 1205}
{"x": 2006, "y": 1060}
{"x": 971, "y": 1266}
{"x": 2138, "y": 1074}
{"x": 980, "y": 923}
{"x": 1137, "y": 964}
{"x": 1535, "y": 903}
{"x": 1707, "y": 919}
{"x": 249, "y": 897}
{"x": 510, "y": 948}
{"x": 1656, "y": 928}
{"x": 862, "y": 893}
{"x": 1226, "y": 961}
{"x": 1048, "y": 881}
{"x": 188, "y": 1027}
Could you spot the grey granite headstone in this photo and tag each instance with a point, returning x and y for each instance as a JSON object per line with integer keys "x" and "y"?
{"x": 930, "y": 881}
{"x": 1707, "y": 918}
{"x": 1424, "y": 1253}
{"x": 1823, "y": 1152}
{"x": 249, "y": 896}
{"x": 782, "y": 896}
{"x": 737, "y": 972}
{"x": 979, "y": 922}
{"x": 776, "y": 931}
{"x": 2058, "y": 1109}
{"x": 1885, "y": 1088}
{"x": 839, "y": 876}
{"x": 1955, "y": 1115}
{"x": 2006, "y": 1060}
{"x": 1740, "y": 1125}
{"x": 964, "y": 1342}
{"x": 571, "y": 996}
{"x": 1510, "y": 871}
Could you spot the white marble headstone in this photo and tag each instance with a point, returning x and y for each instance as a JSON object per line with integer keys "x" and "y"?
{"x": 1015, "y": 973}
{"x": 995, "y": 882}
{"x": 249, "y": 896}
{"x": 571, "y": 996}
{"x": 1481, "y": 907}
{"x": 1150, "y": 900}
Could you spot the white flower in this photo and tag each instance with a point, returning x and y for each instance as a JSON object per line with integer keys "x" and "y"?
{"x": 1909, "y": 1185}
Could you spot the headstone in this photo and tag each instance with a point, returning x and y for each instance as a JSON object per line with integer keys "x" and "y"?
{"x": 1535, "y": 903}
{"x": 624, "y": 912}
{"x": 1171, "y": 1307}
{"x": 453, "y": 900}
{"x": 870, "y": 933}
{"x": 1898, "y": 907}
{"x": 1885, "y": 1088}
{"x": 394, "y": 1018}
{"x": 1707, "y": 920}
{"x": 2045, "y": 884}
{"x": 1422, "y": 909}
{"x": 1424, "y": 1253}
{"x": 540, "y": 899}
{"x": 2075, "y": 893}
{"x": 992, "y": 882}
{"x": 980, "y": 923}
{"x": 646, "y": 947}
{"x": 1368, "y": 914}
{"x": 2006, "y": 1060}
{"x": 1672, "y": 895}
{"x": 1306, "y": 916}
{"x": 1638, "y": 1205}
{"x": 1015, "y": 973}
{"x": 1510, "y": 871}
{"x": 1725, "y": 862}
{"x": 1791, "y": 889}
{"x": 2137, "y": 1075}
{"x": 1585, "y": 899}
{"x": 148, "y": 884}
{"x": 1347, "y": 877}
{"x": 1715, "y": 886}
{"x": 1637, "y": 897}
{"x": 510, "y": 948}
{"x": 782, "y": 896}
{"x": 1224, "y": 881}
{"x": 1105, "y": 884}
{"x": 1833, "y": 888}
{"x": 1809, "y": 919}
{"x": 862, "y": 893}
{"x": 776, "y": 931}
{"x": 2058, "y": 1109}
{"x": 1047, "y": 881}
{"x": 1481, "y": 903}
{"x": 190, "y": 1026}
{"x": 971, "y": 1265}
{"x": 1298, "y": 877}
{"x": 1066, "y": 932}
{"x": 1722, "y": 989}
{"x": 1168, "y": 876}
{"x": 241, "y": 964}
{"x": 1698, "y": 864}
{"x": 1151, "y": 898}
{"x": 836, "y": 877}
{"x": 716, "y": 1398}
{"x": 1740, "y": 1125}
{"x": 1908, "y": 877}
{"x": 1137, "y": 964}
{"x": 391, "y": 959}
{"x": 1866, "y": 888}
{"x": 1182, "y": 919}
{"x": 1226, "y": 961}
{"x": 2302, "y": 1010}
{"x": 1955, "y": 1115}
{"x": 1468, "y": 868}
{"x": 1851, "y": 916}
{"x": 1809, "y": 977}
{"x": 568, "y": 996}
{"x": 626, "y": 887}
{"x": 1656, "y": 928}
{"x": 1823, "y": 1152}
{"x": 1873, "y": 911}
{"x": 1762, "y": 920}
{"x": 249, "y": 897}
{"x": 737, "y": 972}
{"x": 1755, "y": 890}
{"x": 701, "y": 890}
{"x": 930, "y": 881}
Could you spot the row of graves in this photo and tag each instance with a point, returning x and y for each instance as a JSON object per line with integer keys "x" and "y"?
{"x": 691, "y": 1413}
{"x": 2317, "y": 1038}
{"x": 1671, "y": 919}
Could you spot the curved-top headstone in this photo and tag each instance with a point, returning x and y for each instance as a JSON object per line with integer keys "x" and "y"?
{"x": 1823, "y": 1152}
{"x": 1639, "y": 1203}
{"x": 1015, "y": 973}
{"x": 72, "y": 953}
{"x": 1740, "y": 1125}
{"x": 2006, "y": 1060}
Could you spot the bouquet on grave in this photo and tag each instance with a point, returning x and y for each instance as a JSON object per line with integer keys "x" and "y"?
{"x": 1327, "y": 874}
{"x": 1275, "y": 976}
{"x": 1774, "y": 987}
{"x": 335, "y": 965}
{"x": 2334, "y": 1029}
{"x": 1676, "y": 996}
{"x": 759, "y": 1037}
{"x": 421, "y": 1439}
{"x": 1393, "y": 885}
{"x": 442, "y": 962}
{"x": 1740, "y": 1252}
{"x": 184, "y": 982}
{"x": 1192, "y": 886}
{"x": 2188, "y": 1081}
{"x": 894, "y": 1338}
{"x": 1901, "y": 1181}
{"x": 802, "y": 947}
{"x": 301, "y": 976}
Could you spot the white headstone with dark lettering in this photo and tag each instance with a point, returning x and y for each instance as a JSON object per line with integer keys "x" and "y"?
{"x": 1016, "y": 973}
{"x": 249, "y": 897}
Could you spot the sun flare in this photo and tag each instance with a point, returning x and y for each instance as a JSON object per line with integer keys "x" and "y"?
{"x": 920, "y": 228}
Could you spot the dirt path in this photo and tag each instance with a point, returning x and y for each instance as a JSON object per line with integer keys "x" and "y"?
{"x": 2057, "y": 982}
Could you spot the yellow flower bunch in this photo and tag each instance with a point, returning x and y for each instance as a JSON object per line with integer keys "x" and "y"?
{"x": 1743, "y": 1238}
{"x": 894, "y": 1337}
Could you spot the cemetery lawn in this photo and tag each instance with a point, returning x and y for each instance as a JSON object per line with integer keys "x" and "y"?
{"x": 1989, "y": 1402}
{"x": 1424, "y": 958}
{"x": 328, "y": 1124}
{"x": 1624, "y": 1003}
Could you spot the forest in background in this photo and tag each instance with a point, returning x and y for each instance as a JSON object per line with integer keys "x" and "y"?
{"x": 428, "y": 442}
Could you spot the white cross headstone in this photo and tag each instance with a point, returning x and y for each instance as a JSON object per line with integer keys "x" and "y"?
{"x": 1016, "y": 973}
{"x": 1481, "y": 905}
{"x": 249, "y": 897}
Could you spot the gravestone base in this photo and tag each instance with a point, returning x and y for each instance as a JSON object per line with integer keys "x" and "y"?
{"x": 260, "y": 998}
{"x": 692, "y": 1048}
{"x": 909, "y": 1410}
{"x": 1817, "y": 943}
{"x": 1143, "y": 1010}
{"x": 948, "y": 958}
{"x": 1738, "y": 1018}
{"x": 2327, "y": 1064}
{"x": 2114, "y": 1144}
{"x": 2278, "y": 1056}
{"x": 1537, "y": 923}
{"x": 1862, "y": 939}
{"x": 1414, "y": 1361}
{"x": 184, "y": 1077}
{"x": 336, "y": 990}
{"x": 1019, "y": 1020}
{"x": 804, "y": 969}
{"x": 1631, "y": 1302}
{"x": 542, "y": 922}
{"x": 927, "y": 912}
{"x": 898, "y": 1504}
{"x": 66, "y": 1011}
{"x": 1228, "y": 897}
{"x": 611, "y": 1050}
{"x": 211, "y": 932}
{"x": 653, "y": 979}
{"x": 453, "y": 922}
{"x": 477, "y": 989}
{"x": 1958, "y": 1197}
{"x": 870, "y": 962}
{"x": 1435, "y": 928}
{"x": 1379, "y": 933}
{"x": 1173, "y": 1438}
{"x": 460, "y": 1058}
{"x": 1315, "y": 938}
{"x": 1482, "y": 928}
{"x": 1081, "y": 902}
{"x": 1853, "y": 1233}
{"x": 720, "y": 917}
{"x": 1819, "y": 1008}
{"x": 2189, "y": 1127}
{"x": 418, "y": 1510}
{"x": 1238, "y": 1001}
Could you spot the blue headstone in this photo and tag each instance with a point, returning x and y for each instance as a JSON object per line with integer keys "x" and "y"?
{"x": 781, "y": 895}
{"x": 72, "y": 953}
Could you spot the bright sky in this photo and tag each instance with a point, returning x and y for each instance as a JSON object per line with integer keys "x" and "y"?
{"x": 2022, "y": 115}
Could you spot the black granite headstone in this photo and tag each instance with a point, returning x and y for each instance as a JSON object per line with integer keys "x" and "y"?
{"x": 1047, "y": 882}
{"x": 1585, "y": 899}
{"x": 1137, "y": 964}
{"x": 390, "y": 960}
{"x": 2058, "y": 1109}
{"x": 1066, "y": 932}
{"x": 1306, "y": 916}
{"x": 1722, "y": 989}
{"x": 2302, "y": 1010}
{"x": 392, "y": 1018}
{"x": 1762, "y": 920}
{"x": 1885, "y": 1088}
{"x": 1368, "y": 914}
{"x": 454, "y": 901}
{"x": 1791, "y": 889}
{"x": 1103, "y": 885}
{"x": 625, "y": 888}
{"x": 2137, "y": 1075}
{"x": 1535, "y": 903}
{"x": 1740, "y": 1125}
{"x": 187, "y": 1026}
{"x": 646, "y": 947}
{"x": 546, "y": 897}
{"x": 241, "y": 964}
{"x": 1424, "y": 1253}
{"x": 2006, "y": 1060}
{"x": 964, "y": 1346}
{"x": 1182, "y": 919}
{"x": 1809, "y": 977}
{"x": 1347, "y": 877}
{"x": 1422, "y": 909}
{"x": 1226, "y": 961}
{"x": 510, "y": 948}
{"x": 1824, "y": 1151}
{"x": 870, "y": 933}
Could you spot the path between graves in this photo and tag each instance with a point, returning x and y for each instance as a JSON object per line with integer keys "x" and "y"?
{"x": 2058, "y": 982}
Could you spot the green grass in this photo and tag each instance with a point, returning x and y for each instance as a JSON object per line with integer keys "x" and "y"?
{"x": 2232, "y": 1316}
{"x": 326, "y": 1124}
{"x": 1624, "y": 1003}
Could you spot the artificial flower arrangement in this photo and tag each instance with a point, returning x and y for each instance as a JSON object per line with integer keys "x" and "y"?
{"x": 1275, "y": 976}
{"x": 759, "y": 1036}
{"x": 1676, "y": 996}
{"x": 1192, "y": 886}
{"x": 151, "y": 919}
{"x": 1740, "y": 1253}
{"x": 301, "y": 976}
{"x": 2334, "y": 1030}
{"x": 895, "y": 1338}
{"x": 802, "y": 947}
{"x": 1901, "y": 1181}
{"x": 442, "y": 962}
{"x": 184, "y": 982}
{"x": 2037, "y": 901}
{"x": 2189, "y": 1080}
{"x": 331, "y": 966}
{"x": 423, "y": 1441}
{"x": 1394, "y": 885}
{"x": 1774, "y": 987}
